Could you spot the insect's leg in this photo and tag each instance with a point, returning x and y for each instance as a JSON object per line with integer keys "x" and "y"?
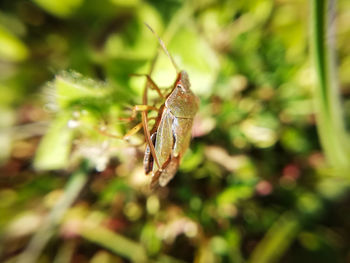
{"x": 131, "y": 132}
{"x": 153, "y": 85}
{"x": 148, "y": 158}
{"x": 148, "y": 139}
{"x": 145, "y": 121}
{"x": 103, "y": 132}
{"x": 138, "y": 108}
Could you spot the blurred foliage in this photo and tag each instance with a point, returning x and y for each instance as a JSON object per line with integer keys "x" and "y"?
{"x": 255, "y": 185}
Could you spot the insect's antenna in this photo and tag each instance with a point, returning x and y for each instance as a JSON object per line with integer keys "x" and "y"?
{"x": 164, "y": 48}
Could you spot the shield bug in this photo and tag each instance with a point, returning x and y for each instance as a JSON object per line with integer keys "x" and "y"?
{"x": 170, "y": 136}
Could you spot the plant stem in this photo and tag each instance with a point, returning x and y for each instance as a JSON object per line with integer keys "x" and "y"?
{"x": 118, "y": 244}
{"x": 330, "y": 123}
{"x": 47, "y": 230}
{"x": 277, "y": 240}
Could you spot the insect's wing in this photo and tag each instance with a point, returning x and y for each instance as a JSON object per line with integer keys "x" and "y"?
{"x": 172, "y": 140}
{"x": 182, "y": 130}
{"x": 181, "y": 134}
{"x": 164, "y": 140}
{"x": 169, "y": 171}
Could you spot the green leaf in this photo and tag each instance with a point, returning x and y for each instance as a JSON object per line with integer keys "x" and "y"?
{"x": 62, "y": 8}
{"x": 69, "y": 87}
{"x": 11, "y": 48}
{"x": 235, "y": 193}
{"x": 55, "y": 146}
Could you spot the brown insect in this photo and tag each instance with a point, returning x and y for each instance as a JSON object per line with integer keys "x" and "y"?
{"x": 170, "y": 136}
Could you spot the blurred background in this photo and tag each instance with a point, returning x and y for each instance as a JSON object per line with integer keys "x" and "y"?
{"x": 255, "y": 185}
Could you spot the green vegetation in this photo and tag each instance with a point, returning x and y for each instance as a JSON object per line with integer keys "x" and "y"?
{"x": 266, "y": 178}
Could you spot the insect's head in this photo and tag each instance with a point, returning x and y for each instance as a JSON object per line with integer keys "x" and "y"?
{"x": 181, "y": 101}
{"x": 183, "y": 81}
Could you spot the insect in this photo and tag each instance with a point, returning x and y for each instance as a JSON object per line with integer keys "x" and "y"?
{"x": 170, "y": 136}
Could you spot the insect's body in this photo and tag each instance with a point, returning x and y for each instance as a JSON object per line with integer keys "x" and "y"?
{"x": 171, "y": 133}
